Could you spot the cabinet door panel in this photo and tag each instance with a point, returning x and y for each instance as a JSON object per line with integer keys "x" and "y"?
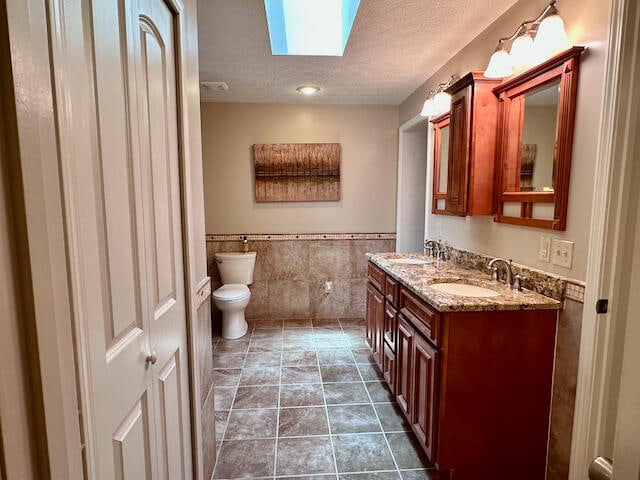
{"x": 457, "y": 183}
{"x": 378, "y": 313}
{"x": 404, "y": 350}
{"x": 425, "y": 393}
{"x": 390, "y": 326}
{"x": 370, "y": 317}
{"x": 389, "y": 367}
{"x": 375, "y": 322}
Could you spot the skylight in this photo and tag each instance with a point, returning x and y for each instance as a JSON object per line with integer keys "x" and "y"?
{"x": 310, "y": 27}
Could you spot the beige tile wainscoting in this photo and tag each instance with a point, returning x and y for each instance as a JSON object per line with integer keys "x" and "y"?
{"x": 291, "y": 271}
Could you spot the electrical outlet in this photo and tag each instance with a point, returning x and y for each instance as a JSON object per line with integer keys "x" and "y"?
{"x": 328, "y": 287}
{"x": 439, "y": 228}
{"x": 561, "y": 253}
{"x": 544, "y": 251}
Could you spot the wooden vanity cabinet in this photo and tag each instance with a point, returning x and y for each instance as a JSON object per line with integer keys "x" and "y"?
{"x": 474, "y": 386}
{"x": 472, "y": 144}
{"x": 381, "y": 321}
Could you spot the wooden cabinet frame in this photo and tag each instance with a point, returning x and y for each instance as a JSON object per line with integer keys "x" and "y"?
{"x": 509, "y": 138}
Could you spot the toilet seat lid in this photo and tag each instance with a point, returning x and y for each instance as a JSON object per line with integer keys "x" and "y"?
{"x": 232, "y": 291}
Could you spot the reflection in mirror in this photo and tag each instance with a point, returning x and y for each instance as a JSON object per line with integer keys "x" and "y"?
{"x": 444, "y": 159}
{"x": 440, "y": 163}
{"x": 539, "y": 134}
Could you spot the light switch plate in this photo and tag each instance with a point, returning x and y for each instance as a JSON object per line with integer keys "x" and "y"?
{"x": 544, "y": 251}
{"x": 561, "y": 253}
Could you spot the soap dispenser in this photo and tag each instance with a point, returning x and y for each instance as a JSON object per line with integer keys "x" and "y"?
{"x": 245, "y": 244}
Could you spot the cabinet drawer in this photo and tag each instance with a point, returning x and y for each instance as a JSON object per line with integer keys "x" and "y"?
{"x": 391, "y": 290}
{"x": 376, "y": 276}
{"x": 423, "y": 317}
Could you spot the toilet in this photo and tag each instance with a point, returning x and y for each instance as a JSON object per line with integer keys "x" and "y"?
{"x": 236, "y": 272}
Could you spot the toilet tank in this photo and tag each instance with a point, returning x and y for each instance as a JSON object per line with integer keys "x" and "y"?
{"x": 236, "y": 267}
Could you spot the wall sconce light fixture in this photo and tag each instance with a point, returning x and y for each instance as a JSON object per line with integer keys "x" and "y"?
{"x": 534, "y": 41}
{"x": 438, "y": 101}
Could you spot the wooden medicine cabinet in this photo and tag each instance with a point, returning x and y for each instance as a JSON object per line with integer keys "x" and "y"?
{"x": 471, "y": 156}
{"x": 440, "y": 163}
{"x": 534, "y": 141}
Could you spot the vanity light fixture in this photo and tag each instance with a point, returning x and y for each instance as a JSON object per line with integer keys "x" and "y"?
{"x": 534, "y": 41}
{"x": 308, "y": 89}
{"x": 438, "y": 101}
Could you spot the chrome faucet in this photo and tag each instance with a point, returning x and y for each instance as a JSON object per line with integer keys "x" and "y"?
{"x": 432, "y": 246}
{"x": 512, "y": 281}
{"x": 507, "y": 268}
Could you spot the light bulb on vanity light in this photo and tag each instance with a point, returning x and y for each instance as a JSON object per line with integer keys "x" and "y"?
{"x": 551, "y": 38}
{"x": 522, "y": 54}
{"x": 429, "y": 108}
{"x": 442, "y": 101}
{"x": 499, "y": 63}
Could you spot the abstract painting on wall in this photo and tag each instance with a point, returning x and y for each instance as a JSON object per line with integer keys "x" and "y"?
{"x": 297, "y": 172}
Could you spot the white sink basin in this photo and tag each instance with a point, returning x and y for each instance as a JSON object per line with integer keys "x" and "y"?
{"x": 409, "y": 261}
{"x": 464, "y": 289}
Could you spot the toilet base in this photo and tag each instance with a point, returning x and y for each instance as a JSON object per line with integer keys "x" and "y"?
{"x": 234, "y": 325}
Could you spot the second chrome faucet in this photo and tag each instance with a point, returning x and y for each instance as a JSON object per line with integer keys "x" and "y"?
{"x": 512, "y": 281}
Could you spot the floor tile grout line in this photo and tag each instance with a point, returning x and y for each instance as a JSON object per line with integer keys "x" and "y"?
{"x": 326, "y": 412}
{"x": 275, "y": 450}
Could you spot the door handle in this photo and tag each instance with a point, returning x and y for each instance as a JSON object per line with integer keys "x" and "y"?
{"x": 601, "y": 469}
{"x": 152, "y": 358}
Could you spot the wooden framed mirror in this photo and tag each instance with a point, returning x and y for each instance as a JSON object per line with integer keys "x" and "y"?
{"x": 534, "y": 141}
{"x": 440, "y": 163}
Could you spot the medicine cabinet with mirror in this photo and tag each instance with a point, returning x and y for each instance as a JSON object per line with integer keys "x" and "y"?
{"x": 440, "y": 163}
{"x": 534, "y": 142}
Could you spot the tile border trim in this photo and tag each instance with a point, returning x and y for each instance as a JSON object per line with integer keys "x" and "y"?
{"x": 213, "y": 237}
{"x": 575, "y": 290}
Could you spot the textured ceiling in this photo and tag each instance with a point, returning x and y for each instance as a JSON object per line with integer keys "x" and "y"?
{"x": 395, "y": 45}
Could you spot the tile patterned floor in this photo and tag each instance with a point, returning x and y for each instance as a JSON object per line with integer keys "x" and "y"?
{"x": 302, "y": 399}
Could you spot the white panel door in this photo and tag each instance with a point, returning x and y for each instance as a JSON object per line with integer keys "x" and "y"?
{"x": 151, "y": 38}
{"x": 138, "y": 408}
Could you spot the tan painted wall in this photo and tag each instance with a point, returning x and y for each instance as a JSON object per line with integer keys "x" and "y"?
{"x": 587, "y": 23}
{"x": 368, "y": 136}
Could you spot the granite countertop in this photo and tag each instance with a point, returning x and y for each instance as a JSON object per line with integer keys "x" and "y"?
{"x": 418, "y": 279}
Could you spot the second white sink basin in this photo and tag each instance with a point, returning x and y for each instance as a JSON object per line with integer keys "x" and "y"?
{"x": 464, "y": 289}
{"x": 410, "y": 261}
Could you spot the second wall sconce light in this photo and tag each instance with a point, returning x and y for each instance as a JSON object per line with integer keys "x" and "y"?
{"x": 534, "y": 41}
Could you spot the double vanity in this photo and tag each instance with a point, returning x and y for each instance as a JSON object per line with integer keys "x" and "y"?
{"x": 469, "y": 361}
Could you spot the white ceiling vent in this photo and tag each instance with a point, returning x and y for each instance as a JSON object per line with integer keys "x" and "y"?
{"x": 215, "y": 86}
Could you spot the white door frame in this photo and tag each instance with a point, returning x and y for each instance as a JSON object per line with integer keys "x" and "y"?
{"x": 599, "y": 363}
{"x": 43, "y": 71}
{"x": 401, "y": 196}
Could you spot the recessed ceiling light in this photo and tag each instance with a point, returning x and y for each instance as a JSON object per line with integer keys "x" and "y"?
{"x": 307, "y": 89}
{"x": 310, "y": 27}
